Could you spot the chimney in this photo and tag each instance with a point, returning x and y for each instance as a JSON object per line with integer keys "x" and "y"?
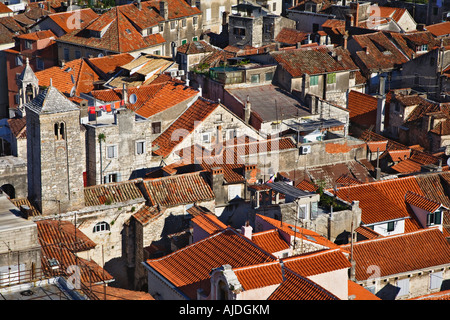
{"x": 217, "y": 185}
{"x": 139, "y": 4}
{"x": 25, "y": 211}
{"x": 164, "y": 9}
{"x": 225, "y": 18}
{"x": 124, "y": 93}
{"x": 381, "y": 110}
{"x": 247, "y": 110}
{"x": 247, "y": 230}
{"x": 382, "y": 85}
{"x": 354, "y": 8}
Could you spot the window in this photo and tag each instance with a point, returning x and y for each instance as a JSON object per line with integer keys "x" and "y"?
{"x": 39, "y": 64}
{"x": 331, "y": 78}
{"x": 208, "y": 14}
{"x": 184, "y": 41}
{"x": 436, "y": 279}
{"x": 206, "y": 137}
{"x": 157, "y": 52}
{"x": 195, "y": 39}
{"x": 59, "y": 131}
{"x": 101, "y": 226}
{"x": 140, "y": 147}
{"x": 231, "y": 134}
{"x": 183, "y": 23}
{"x": 111, "y": 152}
{"x": 66, "y": 54}
{"x": 156, "y": 127}
{"x": 234, "y": 191}
{"x": 161, "y": 28}
{"x": 254, "y": 78}
{"x": 77, "y": 54}
{"x": 303, "y": 211}
{"x": 19, "y": 61}
{"x": 219, "y": 117}
{"x": 403, "y": 285}
{"x": 195, "y": 21}
{"x": 434, "y": 218}
{"x": 28, "y": 44}
{"x": 313, "y": 80}
{"x": 172, "y": 25}
{"x": 239, "y": 31}
{"x": 390, "y": 226}
{"x": 269, "y": 76}
{"x": 112, "y": 177}
{"x": 274, "y": 6}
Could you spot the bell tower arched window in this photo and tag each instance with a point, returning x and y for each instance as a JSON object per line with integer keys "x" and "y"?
{"x": 60, "y": 132}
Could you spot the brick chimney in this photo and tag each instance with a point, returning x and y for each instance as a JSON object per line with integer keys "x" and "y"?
{"x": 354, "y": 9}
{"x": 217, "y": 185}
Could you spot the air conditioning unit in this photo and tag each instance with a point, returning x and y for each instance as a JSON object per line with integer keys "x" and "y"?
{"x": 305, "y": 149}
{"x": 181, "y": 72}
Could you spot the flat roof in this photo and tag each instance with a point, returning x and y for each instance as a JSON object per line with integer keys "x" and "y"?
{"x": 9, "y": 216}
{"x": 315, "y": 124}
{"x": 271, "y": 102}
{"x": 289, "y": 190}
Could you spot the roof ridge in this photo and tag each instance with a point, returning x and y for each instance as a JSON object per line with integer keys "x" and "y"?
{"x": 258, "y": 265}
{"x": 377, "y": 182}
{"x": 399, "y": 235}
{"x": 310, "y": 254}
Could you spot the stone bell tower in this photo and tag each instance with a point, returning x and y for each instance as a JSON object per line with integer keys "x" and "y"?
{"x": 54, "y": 146}
{"x": 28, "y": 85}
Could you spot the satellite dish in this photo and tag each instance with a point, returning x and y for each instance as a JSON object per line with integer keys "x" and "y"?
{"x": 72, "y": 91}
{"x": 133, "y": 98}
{"x": 100, "y": 55}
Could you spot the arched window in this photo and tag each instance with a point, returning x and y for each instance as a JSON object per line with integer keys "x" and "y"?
{"x": 222, "y": 291}
{"x": 62, "y": 133}
{"x": 101, "y": 227}
{"x": 56, "y": 131}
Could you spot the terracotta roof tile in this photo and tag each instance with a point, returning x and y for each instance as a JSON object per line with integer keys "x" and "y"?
{"x": 108, "y": 65}
{"x": 18, "y": 127}
{"x": 290, "y": 36}
{"x": 362, "y": 107}
{"x": 441, "y": 295}
{"x": 308, "y": 235}
{"x": 120, "y": 35}
{"x": 196, "y": 47}
{"x": 421, "y": 202}
{"x": 179, "y": 189}
{"x": 270, "y": 240}
{"x": 358, "y": 292}
{"x": 314, "y": 61}
{"x": 439, "y": 29}
{"x": 4, "y": 8}
{"x": 77, "y": 19}
{"x": 112, "y": 193}
{"x": 147, "y": 214}
{"x": 84, "y": 77}
{"x": 296, "y": 287}
{"x": 401, "y": 253}
{"x": 189, "y": 268}
{"x": 260, "y": 275}
{"x": 197, "y": 112}
{"x": 103, "y": 292}
{"x": 206, "y": 220}
{"x": 315, "y": 263}
{"x": 387, "y": 194}
{"x": 38, "y": 35}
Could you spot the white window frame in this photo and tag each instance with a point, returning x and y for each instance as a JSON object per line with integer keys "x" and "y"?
{"x": 137, "y": 147}
{"x": 404, "y": 285}
{"x": 206, "y": 134}
{"x": 101, "y": 227}
{"x": 115, "y": 152}
{"x": 436, "y": 279}
{"x": 208, "y": 14}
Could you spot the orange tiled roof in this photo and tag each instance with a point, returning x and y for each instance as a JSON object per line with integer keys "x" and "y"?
{"x": 38, "y": 35}
{"x": 4, "y": 8}
{"x": 358, "y": 292}
{"x": 206, "y": 220}
{"x": 55, "y": 232}
{"x": 147, "y": 214}
{"x": 311, "y": 264}
{"x": 84, "y": 77}
{"x": 401, "y": 253}
{"x": 197, "y": 112}
{"x": 290, "y": 36}
{"x": 367, "y": 232}
{"x": 307, "y": 186}
{"x": 441, "y": 295}
{"x": 362, "y": 107}
{"x": 439, "y": 29}
{"x": 189, "y": 268}
{"x": 107, "y": 65}
{"x": 421, "y": 202}
{"x": 308, "y": 235}
{"x": 77, "y": 19}
{"x": 387, "y": 194}
{"x": 270, "y": 240}
{"x": 296, "y": 287}
{"x": 120, "y": 35}
{"x": 259, "y": 275}
{"x": 18, "y": 127}
{"x": 112, "y": 193}
{"x": 113, "y": 293}
{"x": 377, "y": 145}
{"x": 179, "y": 189}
